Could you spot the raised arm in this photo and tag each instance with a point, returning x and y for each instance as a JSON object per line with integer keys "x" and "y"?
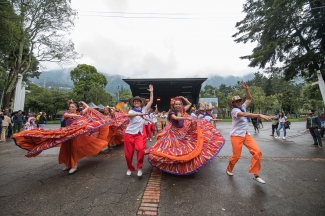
{"x": 188, "y": 104}
{"x": 85, "y": 107}
{"x": 248, "y": 94}
{"x": 151, "y": 97}
{"x": 156, "y": 110}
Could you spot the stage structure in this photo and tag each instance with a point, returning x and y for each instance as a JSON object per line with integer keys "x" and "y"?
{"x": 165, "y": 89}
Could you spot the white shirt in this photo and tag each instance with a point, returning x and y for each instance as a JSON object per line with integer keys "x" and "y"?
{"x": 163, "y": 117}
{"x": 239, "y": 125}
{"x": 154, "y": 117}
{"x": 136, "y": 123}
{"x": 193, "y": 115}
{"x": 208, "y": 119}
{"x": 200, "y": 116}
{"x": 282, "y": 120}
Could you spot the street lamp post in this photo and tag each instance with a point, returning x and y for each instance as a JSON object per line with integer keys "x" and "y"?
{"x": 118, "y": 93}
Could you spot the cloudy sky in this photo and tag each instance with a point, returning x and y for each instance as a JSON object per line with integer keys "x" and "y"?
{"x": 160, "y": 38}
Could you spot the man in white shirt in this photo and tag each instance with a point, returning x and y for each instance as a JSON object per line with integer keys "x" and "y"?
{"x": 155, "y": 119}
{"x": 134, "y": 136}
{"x": 239, "y": 134}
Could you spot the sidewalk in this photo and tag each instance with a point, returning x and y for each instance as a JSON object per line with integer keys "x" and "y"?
{"x": 293, "y": 171}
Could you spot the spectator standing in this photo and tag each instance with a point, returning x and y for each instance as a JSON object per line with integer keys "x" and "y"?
{"x": 42, "y": 120}
{"x": 6, "y": 112}
{"x": 282, "y": 120}
{"x": 322, "y": 130}
{"x": 275, "y": 122}
{"x": 314, "y": 126}
{"x": 255, "y": 124}
{"x": 155, "y": 118}
{"x": 259, "y": 119}
{"x": 18, "y": 120}
{"x": 163, "y": 118}
{"x": 37, "y": 118}
{"x": 30, "y": 124}
{"x": 5, "y": 124}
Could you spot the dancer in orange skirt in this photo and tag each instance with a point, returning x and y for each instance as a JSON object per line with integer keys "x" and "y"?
{"x": 120, "y": 121}
{"x": 84, "y": 135}
{"x": 186, "y": 144}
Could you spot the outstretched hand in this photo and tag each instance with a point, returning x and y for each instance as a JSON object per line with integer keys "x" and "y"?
{"x": 245, "y": 86}
{"x": 150, "y": 88}
{"x": 267, "y": 118}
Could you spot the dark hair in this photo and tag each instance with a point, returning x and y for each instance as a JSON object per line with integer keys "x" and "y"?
{"x": 313, "y": 111}
{"x": 76, "y": 104}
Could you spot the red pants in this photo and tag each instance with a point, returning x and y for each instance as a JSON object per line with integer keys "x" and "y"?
{"x": 237, "y": 144}
{"x": 133, "y": 142}
{"x": 148, "y": 130}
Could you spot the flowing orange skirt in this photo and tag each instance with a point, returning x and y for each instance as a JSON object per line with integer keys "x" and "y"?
{"x": 185, "y": 150}
{"x": 73, "y": 150}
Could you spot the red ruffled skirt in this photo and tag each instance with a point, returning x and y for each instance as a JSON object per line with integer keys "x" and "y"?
{"x": 85, "y": 137}
{"x": 185, "y": 150}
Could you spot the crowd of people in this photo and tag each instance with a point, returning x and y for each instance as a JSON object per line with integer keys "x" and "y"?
{"x": 188, "y": 138}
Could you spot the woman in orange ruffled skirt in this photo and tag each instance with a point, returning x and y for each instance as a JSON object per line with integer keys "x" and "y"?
{"x": 186, "y": 144}
{"x": 116, "y": 129}
{"x": 85, "y": 135}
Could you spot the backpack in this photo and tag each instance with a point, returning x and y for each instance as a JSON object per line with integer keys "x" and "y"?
{"x": 287, "y": 124}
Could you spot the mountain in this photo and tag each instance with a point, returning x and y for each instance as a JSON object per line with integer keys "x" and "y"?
{"x": 216, "y": 80}
{"x": 61, "y": 78}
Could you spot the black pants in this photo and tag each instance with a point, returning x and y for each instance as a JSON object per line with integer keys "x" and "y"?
{"x": 9, "y": 131}
{"x": 275, "y": 127}
{"x": 255, "y": 126}
{"x": 17, "y": 126}
{"x": 316, "y": 136}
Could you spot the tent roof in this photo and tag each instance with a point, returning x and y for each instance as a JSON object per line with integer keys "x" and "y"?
{"x": 92, "y": 105}
{"x": 167, "y": 88}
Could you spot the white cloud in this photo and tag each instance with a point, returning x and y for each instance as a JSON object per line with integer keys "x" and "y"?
{"x": 183, "y": 38}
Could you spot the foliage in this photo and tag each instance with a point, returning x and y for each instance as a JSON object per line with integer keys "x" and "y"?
{"x": 42, "y": 99}
{"x": 98, "y": 96}
{"x": 89, "y": 85}
{"x": 37, "y": 32}
{"x": 126, "y": 94}
{"x": 287, "y": 31}
{"x": 269, "y": 94}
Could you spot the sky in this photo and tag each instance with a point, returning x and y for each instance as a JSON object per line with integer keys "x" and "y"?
{"x": 160, "y": 38}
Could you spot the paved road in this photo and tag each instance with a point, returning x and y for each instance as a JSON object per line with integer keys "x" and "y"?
{"x": 293, "y": 170}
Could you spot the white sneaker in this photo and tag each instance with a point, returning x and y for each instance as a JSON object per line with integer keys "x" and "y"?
{"x": 258, "y": 179}
{"x": 229, "y": 173}
{"x": 276, "y": 137}
{"x": 104, "y": 149}
{"x": 72, "y": 170}
{"x": 139, "y": 172}
{"x": 284, "y": 138}
{"x": 128, "y": 173}
{"x": 150, "y": 140}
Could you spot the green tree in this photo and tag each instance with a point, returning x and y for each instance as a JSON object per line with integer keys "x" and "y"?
{"x": 41, "y": 36}
{"x": 287, "y": 31}
{"x": 85, "y": 77}
{"x": 47, "y": 100}
{"x": 126, "y": 94}
{"x": 98, "y": 96}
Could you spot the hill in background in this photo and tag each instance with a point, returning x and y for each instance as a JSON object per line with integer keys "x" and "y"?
{"x": 61, "y": 78}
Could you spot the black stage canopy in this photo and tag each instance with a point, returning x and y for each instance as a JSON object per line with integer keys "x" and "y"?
{"x": 165, "y": 89}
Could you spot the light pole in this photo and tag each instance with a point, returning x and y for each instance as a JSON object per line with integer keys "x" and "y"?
{"x": 118, "y": 93}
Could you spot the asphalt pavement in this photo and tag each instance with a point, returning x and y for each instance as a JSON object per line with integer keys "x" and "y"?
{"x": 294, "y": 172}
